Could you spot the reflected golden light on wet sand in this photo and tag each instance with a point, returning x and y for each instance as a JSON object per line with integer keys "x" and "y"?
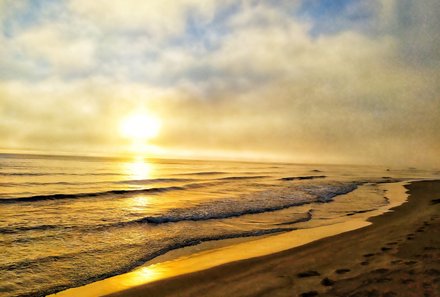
{"x": 145, "y": 274}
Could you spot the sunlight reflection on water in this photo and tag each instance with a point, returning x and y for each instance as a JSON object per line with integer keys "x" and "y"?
{"x": 141, "y": 201}
{"x": 139, "y": 169}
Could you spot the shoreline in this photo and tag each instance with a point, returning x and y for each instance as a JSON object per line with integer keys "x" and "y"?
{"x": 397, "y": 255}
{"x": 188, "y": 264}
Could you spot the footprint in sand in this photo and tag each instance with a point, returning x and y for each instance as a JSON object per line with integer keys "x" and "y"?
{"x": 342, "y": 270}
{"x": 432, "y": 272}
{"x": 308, "y": 273}
{"x": 384, "y": 249}
{"x": 435, "y": 201}
{"x": 367, "y": 293}
{"x": 426, "y": 285}
{"x": 309, "y": 294}
{"x": 327, "y": 282}
{"x": 368, "y": 255}
{"x": 430, "y": 248}
{"x": 407, "y": 281}
{"x": 364, "y": 263}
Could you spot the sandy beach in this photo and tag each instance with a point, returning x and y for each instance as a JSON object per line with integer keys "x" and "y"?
{"x": 398, "y": 255}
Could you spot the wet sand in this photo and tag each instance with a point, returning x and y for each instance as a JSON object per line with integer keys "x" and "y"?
{"x": 398, "y": 255}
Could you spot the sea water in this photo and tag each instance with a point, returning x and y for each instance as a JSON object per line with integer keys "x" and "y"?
{"x": 68, "y": 221}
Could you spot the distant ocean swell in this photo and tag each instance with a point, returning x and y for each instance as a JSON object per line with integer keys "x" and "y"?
{"x": 124, "y": 182}
{"x": 85, "y": 195}
{"x": 55, "y": 173}
{"x": 130, "y": 191}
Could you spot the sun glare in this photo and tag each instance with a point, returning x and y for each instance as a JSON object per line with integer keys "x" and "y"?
{"x": 140, "y": 127}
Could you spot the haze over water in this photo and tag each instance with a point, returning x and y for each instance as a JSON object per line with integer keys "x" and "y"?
{"x": 68, "y": 221}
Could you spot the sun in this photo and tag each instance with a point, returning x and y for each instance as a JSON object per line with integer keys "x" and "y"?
{"x": 140, "y": 127}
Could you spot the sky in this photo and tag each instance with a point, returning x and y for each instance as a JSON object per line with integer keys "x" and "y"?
{"x": 311, "y": 81}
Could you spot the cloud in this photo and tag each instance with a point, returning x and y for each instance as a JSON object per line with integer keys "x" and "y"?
{"x": 158, "y": 19}
{"x": 66, "y": 54}
{"x": 236, "y": 78}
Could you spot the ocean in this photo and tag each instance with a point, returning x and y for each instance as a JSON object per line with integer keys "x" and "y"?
{"x": 67, "y": 221}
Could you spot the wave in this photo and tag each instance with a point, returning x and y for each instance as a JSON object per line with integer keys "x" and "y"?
{"x": 243, "y": 177}
{"x": 201, "y": 215}
{"x": 64, "y": 183}
{"x": 155, "y": 190}
{"x": 154, "y": 221}
{"x": 259, "y": 202}
{"x": 152, "y": 181}
{"x": 48, "y": 184}
{"x": 23, "y": 174}
{"x": 92, "y": 194}
{"x": 204, "y": 173}
{"x": 302, "y": 177}
{"x": 17, "y": 229}
{"x": 55, "y": 173}
{"x": 308, "y": 217}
